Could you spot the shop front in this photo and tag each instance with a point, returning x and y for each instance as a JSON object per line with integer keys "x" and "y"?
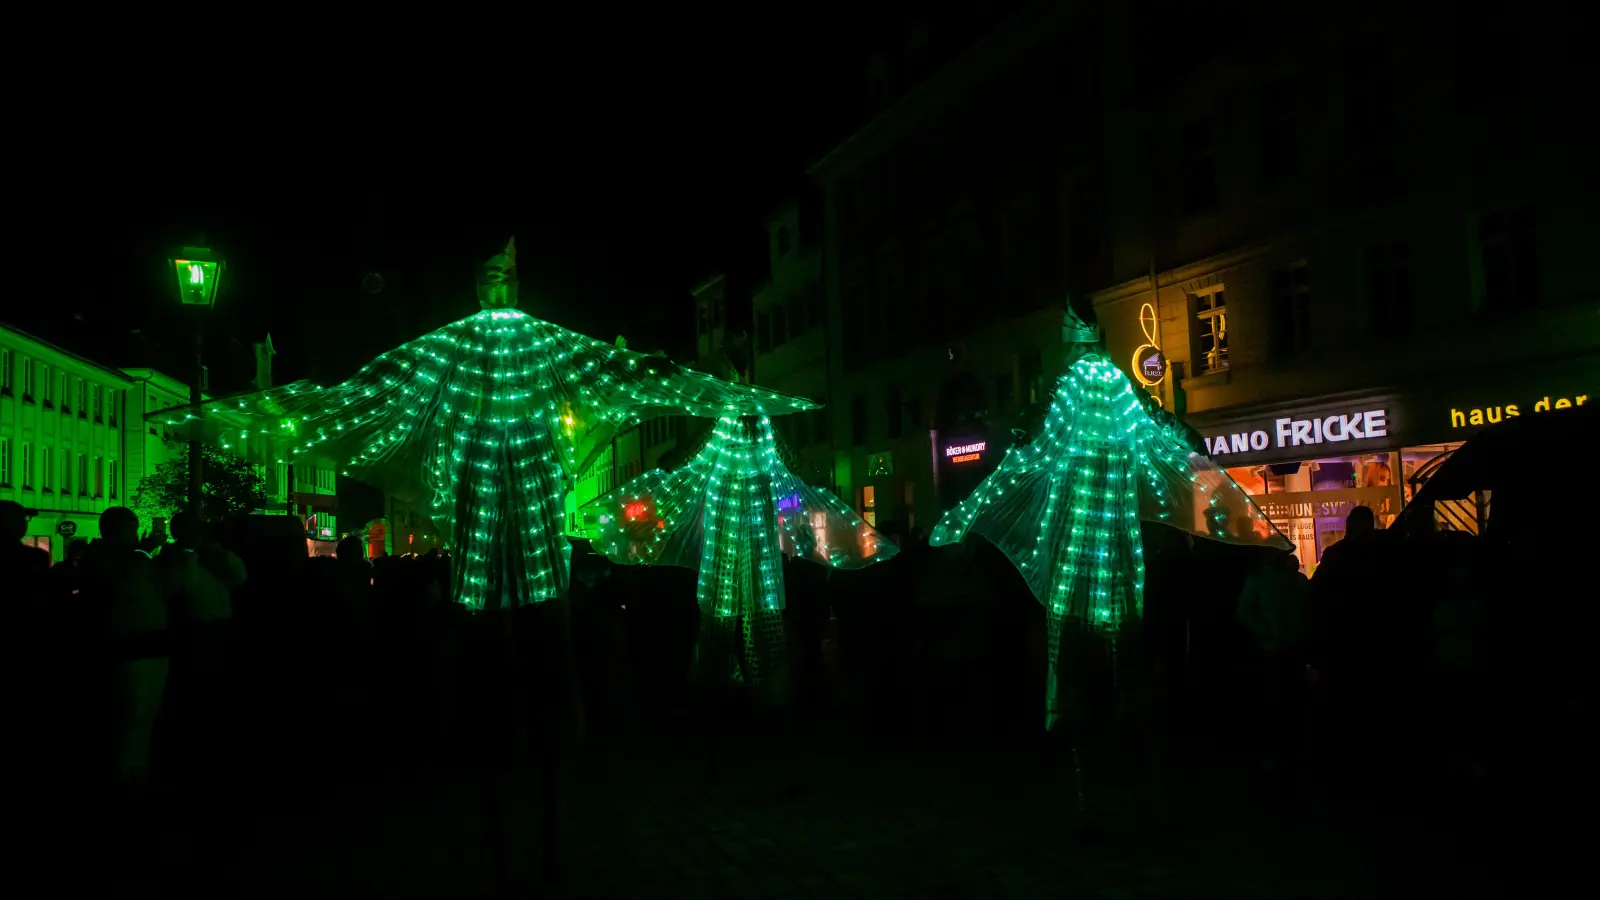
{"x": 54, "y": 530}
{"x": 1307, "y": 465}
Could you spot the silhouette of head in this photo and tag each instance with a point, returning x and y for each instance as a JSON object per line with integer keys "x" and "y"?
{"x": 1074, "y": 330}
{"x": 1359, "y": 522}
{"x": 119, "y": 527}
{"x": 187, "y": 530}
{"x": 13, "y": 521}
{"x": 350, "y": 549}
{"x": 497, "y": 279}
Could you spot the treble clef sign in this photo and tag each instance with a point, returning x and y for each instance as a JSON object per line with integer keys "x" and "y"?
{"x": 1149, "y": 363}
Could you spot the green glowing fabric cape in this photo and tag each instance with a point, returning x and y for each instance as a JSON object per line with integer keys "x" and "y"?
{"x": 733, "y": 512}
{"x": 474, "y": 424}
{"x": 1066, "y": 508}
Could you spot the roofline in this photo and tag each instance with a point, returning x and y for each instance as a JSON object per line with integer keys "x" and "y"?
{"x": 720, "y": 276}
{"x": 161, "y": 379}
{"x": 65, "y": 352}
{"x": 956, "y": 74}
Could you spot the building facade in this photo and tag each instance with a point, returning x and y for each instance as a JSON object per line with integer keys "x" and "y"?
{"x": 789, "y": 335}
{"x": 63, "y": 423}
{"x": 1360, "y": 251}
{"x": 1354, "y": 227}
{"x": 76, "y": 437}
{"x": 944, "y": 271}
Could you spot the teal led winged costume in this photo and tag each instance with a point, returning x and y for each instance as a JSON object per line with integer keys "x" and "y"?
{"x": 473, "y": 424}
{"x": 734, "y": 512}
{"x": 1068, "y": 507}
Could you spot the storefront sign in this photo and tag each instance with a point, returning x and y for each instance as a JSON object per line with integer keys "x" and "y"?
{"x": 1474, "y": 416}
{"x": 66, "y": 528}
{"x": 1335, "y": 504}
{"x": 1288, "y": 432}
{"x": 965, "y": 453}
{"x": 1149, "y": 363}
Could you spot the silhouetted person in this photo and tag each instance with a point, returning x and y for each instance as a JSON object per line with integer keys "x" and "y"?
{"x": 124, "y": 592}
{"x": 197, "y": 577}
{"x": 1275, "y": 609}
{"x": 22, "y": 568}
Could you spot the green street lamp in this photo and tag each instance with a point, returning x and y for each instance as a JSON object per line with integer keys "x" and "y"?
{"x": 197, "y": 272}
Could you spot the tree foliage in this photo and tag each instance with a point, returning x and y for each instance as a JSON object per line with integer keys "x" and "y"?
{"x": 230, "y": 487}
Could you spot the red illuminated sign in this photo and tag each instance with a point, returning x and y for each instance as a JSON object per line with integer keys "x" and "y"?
{"x": 965, "y": 453}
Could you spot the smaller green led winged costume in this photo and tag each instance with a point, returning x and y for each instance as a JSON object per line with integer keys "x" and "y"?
{"x": 475, "y": 423}
{"x": 734, "y": 512}
{"x": 1067, "y": 508}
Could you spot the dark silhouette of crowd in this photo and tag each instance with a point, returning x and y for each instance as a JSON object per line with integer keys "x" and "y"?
{"x": 201, "y": 673}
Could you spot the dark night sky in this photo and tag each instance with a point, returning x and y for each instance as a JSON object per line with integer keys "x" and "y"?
{"x": 628, "y": 167}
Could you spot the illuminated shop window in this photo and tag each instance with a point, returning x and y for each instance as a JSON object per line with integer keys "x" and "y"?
{"x": 1211, "y": 331}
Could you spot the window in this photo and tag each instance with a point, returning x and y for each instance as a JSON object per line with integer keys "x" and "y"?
{"x": 1388, "y": 276}
{"x": 66, "y": 473}
{"x": 1198, "y": 173}
{"x": 27, "y": 466}
{"x": 5, "y": 461}
{"x": 869, "y": 505}
{"x": 99, "y": 476}
{"x": 1033, "y": 375}
{"x": 111, "y": 479}
{"x": 5, "y": 371}
{"x": 1289, "y": 307}
{"x": 47, "y": 468}
{"x": 83, "y": 475}
{"x": 1509, "y": 259}
{"x": 111, "y": 406}
{"x": 1211, "y": 331}
{"x": 27, "y": 378}
{"x": 46, "y": 382}
{"x": 1280, "y": 138}
{"x": 858, "y": 420}
{"x": 896, "y": 411}
{"x": 99, "y": 394}
{"x": 1370, "y": 91}
{"x": 82, "y": 405}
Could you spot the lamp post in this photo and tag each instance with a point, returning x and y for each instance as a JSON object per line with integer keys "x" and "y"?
{"x": 198, "y": 273}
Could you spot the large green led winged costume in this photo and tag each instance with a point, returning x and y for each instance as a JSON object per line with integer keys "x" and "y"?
{"x": 1067, "y": 507}
{"x": 473, "y": 423}
{"x": 734, "y": 512}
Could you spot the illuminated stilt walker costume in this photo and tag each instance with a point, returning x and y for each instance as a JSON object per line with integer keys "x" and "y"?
{"x": 474, "y": 423}
{"x": 1067, "y": 507}
{"x": 734, "y": 512}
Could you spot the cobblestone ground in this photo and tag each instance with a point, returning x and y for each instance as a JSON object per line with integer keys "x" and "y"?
{"x": 831, "y": 823}
{"x": 772, "y": 820}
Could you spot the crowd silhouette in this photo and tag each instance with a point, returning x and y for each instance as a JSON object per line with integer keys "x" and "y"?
{"x": 197, "y": 674}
